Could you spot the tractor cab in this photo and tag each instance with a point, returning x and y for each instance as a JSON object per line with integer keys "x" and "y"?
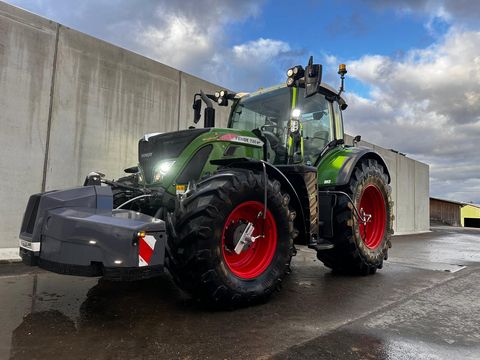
{"x": 296, "y": 128}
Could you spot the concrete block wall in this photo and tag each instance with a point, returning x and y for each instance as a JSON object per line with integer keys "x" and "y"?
{"x": 27, "y": 48}
{"x": 71, "y": 104}
{"x": 422, "y": 195}
{"x": 105, "y": 98}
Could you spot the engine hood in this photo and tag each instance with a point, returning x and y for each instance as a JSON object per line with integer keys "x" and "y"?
{"x": 176, "y": 158}
{"x": 155, "y": 148}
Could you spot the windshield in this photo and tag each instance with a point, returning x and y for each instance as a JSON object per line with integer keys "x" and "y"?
{"x": 268, "y": 111}
{"x": 271, "y": 111}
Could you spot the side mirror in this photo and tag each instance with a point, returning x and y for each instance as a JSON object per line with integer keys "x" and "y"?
{"x": 356, "y": 139}
{"x": 197, "y": 106}
{"x": 313, "y": 78}
{"x": 132, "y": 170}
{"x": 209, "y": 114}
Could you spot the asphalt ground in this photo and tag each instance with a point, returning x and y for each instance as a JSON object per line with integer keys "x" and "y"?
{"x": 424, "y": 304}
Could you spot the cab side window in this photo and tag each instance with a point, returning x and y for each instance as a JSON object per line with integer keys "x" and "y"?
{"x": 317, "y": 125}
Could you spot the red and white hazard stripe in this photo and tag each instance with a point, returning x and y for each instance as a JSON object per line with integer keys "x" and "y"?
{"x": 146, "y": 245}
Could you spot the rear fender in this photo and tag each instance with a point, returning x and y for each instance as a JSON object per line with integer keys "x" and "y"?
{"x": 334, "y": 172}
{"x": 336, "y": 168}
{"x": 346, "y": 170}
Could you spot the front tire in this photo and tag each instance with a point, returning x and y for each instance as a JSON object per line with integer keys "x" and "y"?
{"x": 207, "y": 223}
{"x": 361, "y": 247}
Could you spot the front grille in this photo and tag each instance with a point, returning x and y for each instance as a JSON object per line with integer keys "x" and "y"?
{"x": 164, "y": 147}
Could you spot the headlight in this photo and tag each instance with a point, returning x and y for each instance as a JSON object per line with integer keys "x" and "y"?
{"x": 162, "y": 169}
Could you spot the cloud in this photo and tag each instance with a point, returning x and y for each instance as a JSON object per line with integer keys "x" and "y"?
{"x": 464, "y": 12}
{"x": 198, "y": 43}
{"x": 178, "y": 43}
{"x": 192, "y": 35}
{"x": 262, "y": 62}
{"x": 426, "y": 104}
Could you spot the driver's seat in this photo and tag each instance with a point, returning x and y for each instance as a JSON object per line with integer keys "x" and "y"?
{"x": 272, "y": 143}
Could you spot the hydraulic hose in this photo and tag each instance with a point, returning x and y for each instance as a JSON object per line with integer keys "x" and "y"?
{"x": 132, "y": 200}
{"x": 357, "y": 213}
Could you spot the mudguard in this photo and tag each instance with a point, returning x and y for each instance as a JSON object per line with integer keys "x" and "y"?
{"x": 76, "y": 232}
{"x": 336, "y": 167}
{"x": 334, "y": 171}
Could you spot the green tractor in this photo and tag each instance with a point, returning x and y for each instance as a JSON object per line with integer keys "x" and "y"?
{"x": 234, "y": 201}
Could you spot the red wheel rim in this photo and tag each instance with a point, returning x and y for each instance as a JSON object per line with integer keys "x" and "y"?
{"x": 372, "y": 208}
{"x": 252, "y": 262}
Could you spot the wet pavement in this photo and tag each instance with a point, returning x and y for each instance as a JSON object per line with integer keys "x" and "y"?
{"x": 424, "y": 304}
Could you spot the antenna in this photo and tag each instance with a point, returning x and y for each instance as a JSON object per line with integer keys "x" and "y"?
{"x": 310, "y": 61}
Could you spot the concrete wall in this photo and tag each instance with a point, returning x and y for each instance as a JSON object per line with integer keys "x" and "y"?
{"x": 422, "y": 193}
{"x": 105, "y": 98}
{"x": 27, "y": 47}
{"x": 71, "y": 104}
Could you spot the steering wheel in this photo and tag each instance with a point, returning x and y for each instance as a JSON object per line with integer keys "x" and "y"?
{"x": 266, "y": 126}
{"x": 273, "y": 139}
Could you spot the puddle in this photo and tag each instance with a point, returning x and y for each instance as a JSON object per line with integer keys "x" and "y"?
{"x": 433, "y": 266}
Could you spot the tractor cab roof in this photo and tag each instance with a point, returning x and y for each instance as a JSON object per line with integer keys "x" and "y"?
{"x": 324, "y": 89}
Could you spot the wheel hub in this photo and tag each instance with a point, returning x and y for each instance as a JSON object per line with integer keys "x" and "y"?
{"x": 233, "y": 233}
{"x": 364, "y": 217}
{"x": 239, "y": 236}
{"x": 244, "y": 255}
{"x": 373, "y": 216}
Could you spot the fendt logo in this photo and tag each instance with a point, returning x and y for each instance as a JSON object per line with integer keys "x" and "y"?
{"x": 242, "y": 139}
{"x": 146, "y": 155}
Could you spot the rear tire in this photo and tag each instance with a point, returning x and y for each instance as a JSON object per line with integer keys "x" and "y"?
{"x": 202, "y": 260}
{"x": 362, "y": 248}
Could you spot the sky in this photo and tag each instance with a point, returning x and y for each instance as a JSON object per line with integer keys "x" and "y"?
{"x": 413, "y": 81}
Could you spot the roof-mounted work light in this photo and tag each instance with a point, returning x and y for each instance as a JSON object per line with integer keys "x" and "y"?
{"x": 295, "y": 73}
{"x": 222, "y": 97}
